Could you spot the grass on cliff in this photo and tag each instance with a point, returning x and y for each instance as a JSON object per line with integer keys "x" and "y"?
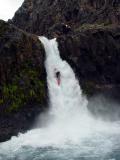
{"x": 85, "y": 27}
{"x": 25, "y": 86}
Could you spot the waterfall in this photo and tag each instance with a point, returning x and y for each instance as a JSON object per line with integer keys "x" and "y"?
{"x": 66, "y": 99}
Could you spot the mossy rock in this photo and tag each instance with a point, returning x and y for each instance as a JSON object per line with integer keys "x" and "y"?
{"x": 94, "y": 26}
{"x": 89, "y": 88}
{"x": 22, "y": 73}
{"x": 25, "y": 86}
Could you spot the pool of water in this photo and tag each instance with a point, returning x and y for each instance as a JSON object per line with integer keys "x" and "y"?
{"x": 97, "y": 145}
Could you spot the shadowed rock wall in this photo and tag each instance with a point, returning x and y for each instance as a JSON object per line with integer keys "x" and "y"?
{"x": 38, "y": 16}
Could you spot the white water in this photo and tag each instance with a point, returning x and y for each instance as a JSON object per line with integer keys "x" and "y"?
{"x": 71, "y": 128}
{"x": 66, "y": 100}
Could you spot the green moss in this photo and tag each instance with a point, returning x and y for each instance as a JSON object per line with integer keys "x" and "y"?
{"x": 25, "y": 86}
{"x": 89, "y": 88}
{"x": 85, "y": 27}
{"x": 1, "y": 101}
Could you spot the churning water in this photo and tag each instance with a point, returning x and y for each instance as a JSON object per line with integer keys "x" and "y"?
{"x": 71, "y": 132}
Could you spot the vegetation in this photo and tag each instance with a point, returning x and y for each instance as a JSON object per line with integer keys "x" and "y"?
{"x": 89, "y": 88}
{"x": 93, "y": 26}
{"x": 25, "y": 86}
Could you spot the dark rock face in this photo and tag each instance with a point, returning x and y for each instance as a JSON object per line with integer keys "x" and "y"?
{"x": 18, "y": 122}
{"x": 22, "y": 80}
{"x": 94, "y": 56}
{"x": 16, "y": 46}
{"x": 38, "y": 16}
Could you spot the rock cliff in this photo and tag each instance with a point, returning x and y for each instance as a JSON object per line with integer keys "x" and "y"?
{"x": 22, "y": 80}
{"x": 38, "y": 16}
